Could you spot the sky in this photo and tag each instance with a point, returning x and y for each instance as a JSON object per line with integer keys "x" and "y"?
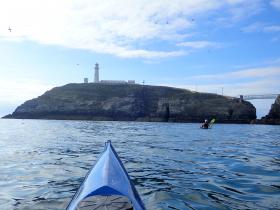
{"x": 229, "y": 47}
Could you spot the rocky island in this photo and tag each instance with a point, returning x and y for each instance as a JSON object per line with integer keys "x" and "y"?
{"x": 133, "y": 102}
{"x": 273, "y": 117}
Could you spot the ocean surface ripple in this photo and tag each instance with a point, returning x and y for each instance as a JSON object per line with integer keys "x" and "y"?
{"x": 174, "y": 166}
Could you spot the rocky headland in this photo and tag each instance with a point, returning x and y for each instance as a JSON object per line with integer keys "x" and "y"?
{"x": 133, "y": 102}
{"x": 273, "y": 117}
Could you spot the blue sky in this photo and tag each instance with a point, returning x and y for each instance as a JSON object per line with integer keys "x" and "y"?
{"x": 200, "y": 45}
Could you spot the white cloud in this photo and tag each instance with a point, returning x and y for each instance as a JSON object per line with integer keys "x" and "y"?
{"x": 241, "y": 9}
{"x": 243, "y": 82}
{"x": 272, "y": 28}
{"x": 262, "y": 86}
{"x": 200, "y": 44}
{"x": 242, "y": 74}
{"x": 266, "y": 63}
{"x": 261, "y": 27}
{"x": 275, "y": 3}
{"x": 275, "y": 39}
{"x": 16, "y": 91}
{"x": 274, "y": 61}
{"x": 238, "y": 10}
{"x": 254, "y": 27}
{"x": 113, "y": 27}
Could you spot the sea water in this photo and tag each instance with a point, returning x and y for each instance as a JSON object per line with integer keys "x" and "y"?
{"x": 173, "y": 166}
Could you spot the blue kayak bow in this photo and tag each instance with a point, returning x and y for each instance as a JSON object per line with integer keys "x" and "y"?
{"x": 107, "y": 185}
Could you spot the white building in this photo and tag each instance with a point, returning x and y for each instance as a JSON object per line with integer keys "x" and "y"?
{"x": 96, "y": 78}
{"x": 96, "y": 73}
{"x": 114, "y": 81}
{"x": 131, "y": 81}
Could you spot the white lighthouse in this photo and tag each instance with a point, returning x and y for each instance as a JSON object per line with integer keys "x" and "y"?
{"x": 96, "y": 73}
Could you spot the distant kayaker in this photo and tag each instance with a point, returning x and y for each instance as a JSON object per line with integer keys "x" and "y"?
{"x": 205, "y": 124}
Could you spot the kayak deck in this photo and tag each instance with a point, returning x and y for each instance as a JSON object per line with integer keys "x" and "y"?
{"x": 112, "y": 202}
{"x": 107, "y": 186}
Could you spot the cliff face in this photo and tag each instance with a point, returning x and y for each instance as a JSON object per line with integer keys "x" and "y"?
{"x": 273, "y": 117}
{"x": 133, "y": 102}
{"x": 274, "y": 112}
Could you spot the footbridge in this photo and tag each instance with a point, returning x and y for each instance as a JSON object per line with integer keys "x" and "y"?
{"x": 259, "y": 96}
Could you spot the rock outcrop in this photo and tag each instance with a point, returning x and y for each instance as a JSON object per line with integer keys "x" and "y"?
{"x": 273, "y": 117}
{"x": 133, "y": 102}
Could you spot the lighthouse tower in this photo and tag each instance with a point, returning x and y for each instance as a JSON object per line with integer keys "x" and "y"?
{"x": 96, "y": 73}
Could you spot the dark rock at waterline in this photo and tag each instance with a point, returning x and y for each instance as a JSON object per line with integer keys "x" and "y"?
{"x": 273, "y": 117}
{"x": 133, "y": 102}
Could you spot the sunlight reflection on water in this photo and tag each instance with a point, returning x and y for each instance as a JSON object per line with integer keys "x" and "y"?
{"x": 174, "y": 166}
